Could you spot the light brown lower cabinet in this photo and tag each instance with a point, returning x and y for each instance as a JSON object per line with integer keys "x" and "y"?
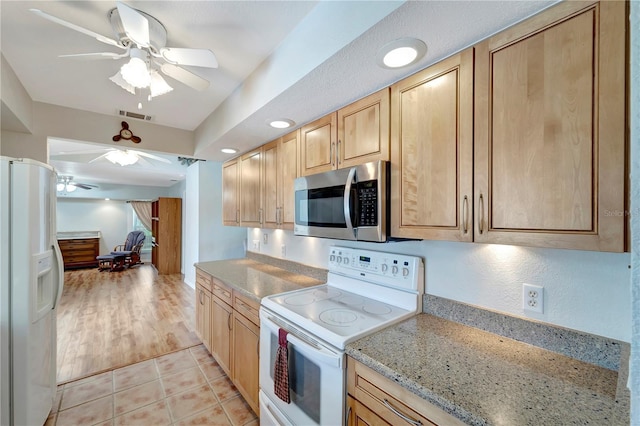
{"x": 232, "y": 323}
{"x": 375, "y": 400}
{"x": 246, "y": 357}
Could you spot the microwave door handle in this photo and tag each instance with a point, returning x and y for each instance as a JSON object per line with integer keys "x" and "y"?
{"x": 347, "y": 200}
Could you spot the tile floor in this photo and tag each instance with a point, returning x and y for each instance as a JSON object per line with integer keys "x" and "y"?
{"x": 182, "y": 388}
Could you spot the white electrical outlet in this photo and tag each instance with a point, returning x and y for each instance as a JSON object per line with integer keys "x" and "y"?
{"x": 265, "y": 238}
{"x": 256, "y": 245}
{"x": 283, "y": 250}
{"x": 533, "y": 298}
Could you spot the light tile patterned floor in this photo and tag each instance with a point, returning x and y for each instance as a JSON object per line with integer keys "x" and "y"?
{"x": 182, "y": 388}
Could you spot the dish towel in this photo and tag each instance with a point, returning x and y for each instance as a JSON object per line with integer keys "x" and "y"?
{"x": 281, "y": 368}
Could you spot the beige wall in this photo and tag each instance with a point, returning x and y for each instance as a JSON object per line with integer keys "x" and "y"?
{"x": 26, "y": 125}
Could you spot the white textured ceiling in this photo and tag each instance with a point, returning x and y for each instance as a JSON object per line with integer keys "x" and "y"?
{"x": 277, "y": 59}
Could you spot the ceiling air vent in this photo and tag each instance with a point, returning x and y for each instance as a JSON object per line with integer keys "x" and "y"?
{"x": 134, "y": 115}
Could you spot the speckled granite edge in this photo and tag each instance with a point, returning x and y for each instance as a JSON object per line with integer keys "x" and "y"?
{"x": 427, "y": 394}
{"x": 288, "y": 265}
{"x": 598, "y": 350}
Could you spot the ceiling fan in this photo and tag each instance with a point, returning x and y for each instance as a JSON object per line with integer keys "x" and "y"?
{"x": 128, "y": 157}
{"x": 142, "y": 39}
{"x": 66, "y": 184}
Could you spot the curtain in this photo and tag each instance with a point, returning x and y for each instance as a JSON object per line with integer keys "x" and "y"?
{"x": 143, "y": 210}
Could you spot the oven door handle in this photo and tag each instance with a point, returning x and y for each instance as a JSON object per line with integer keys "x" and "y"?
{"x": 313, "y": 351}
{"x": 318, "y": 353}
{"x": 347, "y": 200}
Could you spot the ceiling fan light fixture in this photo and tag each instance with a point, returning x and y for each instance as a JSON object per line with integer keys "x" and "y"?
{"x": 70, "y": 187}
{"x": 60, "y": 187}
{"x": 158, "y": 85}
{"x": 124, "y": 158}
{"x": 120, "y": 81}
{"x": 135, "y": 72}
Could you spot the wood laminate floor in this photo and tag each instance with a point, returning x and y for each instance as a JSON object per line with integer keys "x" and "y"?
{"x": 107, "y": 320}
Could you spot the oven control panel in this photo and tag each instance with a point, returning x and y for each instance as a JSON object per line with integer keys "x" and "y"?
{"x": 387, "y": 268}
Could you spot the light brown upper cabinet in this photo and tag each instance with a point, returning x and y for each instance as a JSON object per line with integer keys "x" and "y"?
{"x": 251, "y": 189}
{"x": 550, "y": 130}
{"x": 230, "y": 193}
{"x": 353, "y": 135}
{"x": 432, "y": 152}
{"x": 280, "y": 171}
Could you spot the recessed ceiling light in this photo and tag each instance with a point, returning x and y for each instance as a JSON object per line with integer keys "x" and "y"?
{"x": 281, "y": 123}
{"x": 229, "y": 150}
{"x": 401, "y": 52}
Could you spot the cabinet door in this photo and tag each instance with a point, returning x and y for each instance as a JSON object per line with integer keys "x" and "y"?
{"x": 271, "y": 158}
{"x": 251, "y": 189}
{"x": 359, "y": 415}
{"x": 318, "y": 145}
{"x": 230, "y": 200}
{"x": 288, "y": 172}
{"x": 432, "y": 152}
{"x": 203, "y": 315}
{"x": 363, "y": 130}
{"x": 221, "y": 326}
{"x": 246, "y": 349}
{"x": 550, "y": 130}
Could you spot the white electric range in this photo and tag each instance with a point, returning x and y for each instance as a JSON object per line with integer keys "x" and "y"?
{"x": 365, "y": 292}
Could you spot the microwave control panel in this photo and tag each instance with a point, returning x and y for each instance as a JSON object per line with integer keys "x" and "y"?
{"x": 385, "y": 268}
{"x": 368, "y": 203}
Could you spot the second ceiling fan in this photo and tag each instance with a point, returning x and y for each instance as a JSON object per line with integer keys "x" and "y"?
{"x": 142, "y": 38}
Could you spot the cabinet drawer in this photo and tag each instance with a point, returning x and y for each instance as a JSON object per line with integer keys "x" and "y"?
{"x": 389, "y": 400}
{"x": 221, "y": 290}
{"x": 203, "y": 280}
{"x": 247, "y": 307}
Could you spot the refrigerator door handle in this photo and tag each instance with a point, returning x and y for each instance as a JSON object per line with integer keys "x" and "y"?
{"x": 60, "y": 272}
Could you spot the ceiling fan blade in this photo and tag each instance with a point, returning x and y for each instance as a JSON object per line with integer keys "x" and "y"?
{"x": 99, "y": 157}
{"x": 195, "y": 57}
{"x": 135, "y": 25}
{"x": 144, "y": 154}
{"x": 78, "y": 28}
{"x": 185, "y": 77}
{"x": 142, "y": 162}
{"x": 92, "y": 56}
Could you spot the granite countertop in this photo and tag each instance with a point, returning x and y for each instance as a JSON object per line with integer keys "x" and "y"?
{"x": 483, "y": 378}
{"x": 256, "y": 279}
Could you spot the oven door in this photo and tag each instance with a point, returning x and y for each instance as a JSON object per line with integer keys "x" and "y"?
{"x": 316, "y": 376}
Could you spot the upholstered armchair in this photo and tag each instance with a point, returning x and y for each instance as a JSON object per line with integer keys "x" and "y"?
{"x": 131, "y": 248}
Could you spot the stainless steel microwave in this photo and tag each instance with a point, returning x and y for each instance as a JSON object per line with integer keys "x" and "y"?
{"x": 345, "y": 204}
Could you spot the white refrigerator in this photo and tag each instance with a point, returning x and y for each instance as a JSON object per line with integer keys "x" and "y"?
{"x": 31, "y": 272}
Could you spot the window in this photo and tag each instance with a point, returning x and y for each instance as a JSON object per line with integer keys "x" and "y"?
{"x": 138, "y": 226}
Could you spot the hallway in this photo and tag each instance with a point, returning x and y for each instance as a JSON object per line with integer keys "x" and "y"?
{"x": 108, "y": 320}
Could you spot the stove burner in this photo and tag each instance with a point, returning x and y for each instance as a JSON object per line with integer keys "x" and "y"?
{"x": 307, "y": 299}
{"x": 300, "y": 299}
{"x": 376, "y": 309}
{"x": 349, "y": 299}
{"x": 338, "y": 317}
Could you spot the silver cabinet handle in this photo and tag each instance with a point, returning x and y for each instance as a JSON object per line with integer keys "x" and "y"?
{"x": 229, "y": 321}
{"x": 402, "y": 416}
{"x": 333, "y": 159}
{"x": 465, "y": 214}
{"x": 338, "y": 152}
{"x": 346, "y": 421}
{"x": 238, "y": 216}
{"x": 481, "y": 215}
{"x": 201, "y": 295}
{"x": 260, "y": 216}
